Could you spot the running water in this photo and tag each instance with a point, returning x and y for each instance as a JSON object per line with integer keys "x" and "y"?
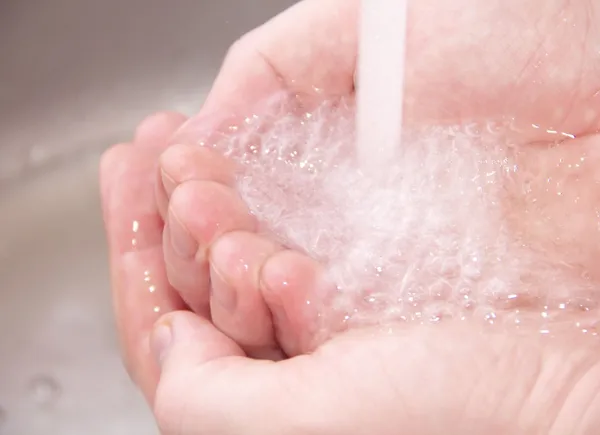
{"x": 380, "y": 90}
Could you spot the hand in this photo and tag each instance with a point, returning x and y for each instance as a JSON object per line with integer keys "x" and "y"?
{"x": 447, "y": 378}
{"x": 534, "y": 61}
{"x": 299, "y": 75}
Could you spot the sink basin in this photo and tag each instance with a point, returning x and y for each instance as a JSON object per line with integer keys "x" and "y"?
{"x": 75, "y": 77}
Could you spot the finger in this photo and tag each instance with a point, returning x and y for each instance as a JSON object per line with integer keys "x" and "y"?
{"x": 156, "y": 129}
{"x": 294, "y": 289}
{"x": 181, "y": 163}
{"x": 138, "y": 281}
{"x": 199, "y": 212}
{"x": 237, "y": 305}
{"x": 207, "y": 386}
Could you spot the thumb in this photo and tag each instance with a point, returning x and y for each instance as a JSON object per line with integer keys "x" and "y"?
{"x": 182, "y": 340}
{"x": 208, "y": 386}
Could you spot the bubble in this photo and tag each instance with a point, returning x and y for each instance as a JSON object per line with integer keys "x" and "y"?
{"x": 441, "y": 290}
{"x": 444, "y": 226}
{"x": 44, "y": 390}
{"x": 490, "y": 317}
{"x": 473, "y": 130}
{"x": 582, "y": 304}
{"x": 435, "y": 318}
{"x": 469, "y": 305}
{"x": 495, "y": 128}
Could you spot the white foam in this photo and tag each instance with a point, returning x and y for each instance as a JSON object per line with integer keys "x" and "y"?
{"x": 447, "y": 233}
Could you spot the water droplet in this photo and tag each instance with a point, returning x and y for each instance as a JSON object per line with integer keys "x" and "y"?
{"x": 465, "y": 291}
{"x": 471, "y": 271}
{"x": 44, "y": 390}
{"x": 469, "y": 305}
{"x": 495, "y": 127}
{"x": 441, "y": 290}
{"x": 593, "y": 331}
{"x": 585, "y": 275}
{"x": 582, "y": 304}
{"x": 472, "y": 130}
{"x": 435, "y": 318}
{"x": 490, "y": 317}
{"x": 135, "y": 228}
{"x": 156, "y": 309}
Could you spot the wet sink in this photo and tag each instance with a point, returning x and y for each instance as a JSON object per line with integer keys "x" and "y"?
{"x": 76, "y": 76}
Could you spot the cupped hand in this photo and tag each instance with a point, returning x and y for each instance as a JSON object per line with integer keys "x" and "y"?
{"x": 496, "y": 60}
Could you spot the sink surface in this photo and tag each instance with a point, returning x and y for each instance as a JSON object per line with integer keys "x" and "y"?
{"x": 76, "y": 76}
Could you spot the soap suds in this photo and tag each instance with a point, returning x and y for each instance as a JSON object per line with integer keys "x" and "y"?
{"x": 464, "y": 224}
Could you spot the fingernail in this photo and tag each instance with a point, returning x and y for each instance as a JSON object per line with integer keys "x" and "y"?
{"x": 161, "y": 339}
{"x": 168, "y": 183}
{"x": 182, "y": 241}
{"x": 222, "y": 292}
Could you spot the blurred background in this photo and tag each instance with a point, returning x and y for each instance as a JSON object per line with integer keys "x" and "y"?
{"x": 75, "y": 77}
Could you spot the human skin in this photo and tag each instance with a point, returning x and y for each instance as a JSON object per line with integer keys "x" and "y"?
{"x": 472, "y": 383}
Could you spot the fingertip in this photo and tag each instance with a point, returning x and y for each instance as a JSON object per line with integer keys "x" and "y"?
{"x": 288, "y": 270}
{"x": 199, "y": 212}
{"x": 111, "y": 162}
{"x": 237, "y": 305}
{"x": 208, "y": 209}
{"x": 182, "y": 340}
{"x": 232, "y": 256}
{"x": 156, "y": 129}
{"x": 185, "y": 162}
{"x": 292, "y": 283}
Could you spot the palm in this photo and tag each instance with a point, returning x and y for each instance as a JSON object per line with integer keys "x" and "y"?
{"x": 423, "y": 381}
{"x": 531, "y": 63}
{"x": 523, "y": 60}
{"x": 456, "y": 375}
